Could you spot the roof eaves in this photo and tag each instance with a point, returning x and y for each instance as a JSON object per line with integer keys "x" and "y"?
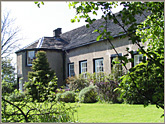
{"x": 37, "y": 49}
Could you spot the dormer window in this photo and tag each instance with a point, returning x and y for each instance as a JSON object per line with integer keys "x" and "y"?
{"x": 30, "y": 57}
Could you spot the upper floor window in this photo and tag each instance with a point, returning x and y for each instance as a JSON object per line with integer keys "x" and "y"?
{"x": 71, "y": 69}
{"x": 30, "y": 57}
{"x": 83, "y": 68}
{"x": 98, "y": 65}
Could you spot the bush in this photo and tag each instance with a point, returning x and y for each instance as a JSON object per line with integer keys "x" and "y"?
{"x": 88, "y": 95}
{"x": 107, "y": 92}
{"x": 16, "y": 96}
{"x": 26, "y": 111}
{"x": 7, "y": 87}
{"x": 77, "y": 84}
{"x": 68, "y": 96}
{"x": 96, "y": 77}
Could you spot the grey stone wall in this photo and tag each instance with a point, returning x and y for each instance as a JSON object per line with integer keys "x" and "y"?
{"x": 55, "y": 59}
{"x": 97, "y": 50}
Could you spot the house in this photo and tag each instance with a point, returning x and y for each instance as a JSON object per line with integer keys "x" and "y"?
{"x": 77, "y": 51}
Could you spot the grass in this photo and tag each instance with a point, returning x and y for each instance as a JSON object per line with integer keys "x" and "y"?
{"x": 118, "y": 113}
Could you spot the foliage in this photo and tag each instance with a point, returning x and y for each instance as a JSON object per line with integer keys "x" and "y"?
{"x": 41, "y": 92}
{"x": 39, "y": 3}
{"x": 77, "y": 83}
{"x": 42, "y": 80}
{"x": 26, "y": 111}
{"x": 149, "y": 89}
{"x": 117, "y": 70}
{"x": 88, "y": 95}
{"x": 40, "y": 69}
{"x": 107, "y": 93}
{"x": 150, "y": 31}
{"x": 68, "y": 96}
{"x": 16, "y": 96}
{"x": 7, "y": 88}
{"x": 8, "y": 76}
{"x": 96, "y": 77}
{"x": 60, "y": 90}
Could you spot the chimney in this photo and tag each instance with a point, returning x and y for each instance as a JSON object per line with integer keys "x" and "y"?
{"x": 57, "y": 32}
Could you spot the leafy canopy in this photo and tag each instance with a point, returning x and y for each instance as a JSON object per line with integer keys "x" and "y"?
{"x": 149, "y": 73}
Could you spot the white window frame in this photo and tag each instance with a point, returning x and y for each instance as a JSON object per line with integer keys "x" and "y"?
{"x": 20, "y": 84}
{"x": 71, "y": 69}
{"x": 29, "y": 63}
{"x": 113, "y": 56}
{"x": 83, "y": 69}
{"x": 137, "y": 59}
{"x": 99, "y": 66}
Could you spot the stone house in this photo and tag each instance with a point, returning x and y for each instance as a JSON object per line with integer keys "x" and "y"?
{"x": 77, "y": 51}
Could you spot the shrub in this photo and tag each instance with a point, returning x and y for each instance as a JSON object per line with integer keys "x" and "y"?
{"x": 16, "y": 96}
{"x": 96, "y": 77}
{"x": 7, "y": 87}
{"x": 77, "y": 83}
{"x": 59, "y": 97}
{"x": 88, "y": 95}
{"x": 68, "y": 96}
{"x": 107, "y": 92}
{"x": 26, "y": 111}
{"x": 60, "y": 90}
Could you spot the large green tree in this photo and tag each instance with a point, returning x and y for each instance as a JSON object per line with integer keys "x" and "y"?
{"x": 42, "y": 79}
{"x": 150, "y": 72}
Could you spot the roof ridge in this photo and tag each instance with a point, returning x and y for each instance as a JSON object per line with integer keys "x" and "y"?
{"x": 40, "y": 42}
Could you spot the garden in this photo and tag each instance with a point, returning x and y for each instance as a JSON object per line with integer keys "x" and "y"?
{"x": 98, "y": 98}
{"x": 125, "y": 95}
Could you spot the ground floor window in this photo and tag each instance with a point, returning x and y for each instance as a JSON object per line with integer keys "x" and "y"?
{"x": 83, "y": 68}
{"x": 20, "y": 84}
{"x": 71, "y": 69}
{"x": 138, "y": 59}
{"x": 98, "y": 65}
{"x": 117, "y": 67}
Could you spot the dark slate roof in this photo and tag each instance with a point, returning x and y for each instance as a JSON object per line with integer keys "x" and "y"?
{"x": 52, "y": 43}
{"x": 80, "y": 36}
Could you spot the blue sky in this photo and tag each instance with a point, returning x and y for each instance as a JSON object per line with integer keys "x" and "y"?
{"x": 37, "y": 22}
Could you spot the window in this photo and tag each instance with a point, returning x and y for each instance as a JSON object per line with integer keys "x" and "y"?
{"x": 83, "y": 69}
{"x": 30, "y": 57}
{"x": 71, "y": 69}
{"x": 98, "y": 65}
{"x": 138, "y": 59}
{"x": 113, "y": 56}
{"x": 20, "y": 84}
{"x": 118, "y": 67}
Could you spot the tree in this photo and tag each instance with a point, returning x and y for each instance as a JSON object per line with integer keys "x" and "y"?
{"x": 151, "y": 30}
{"x": 42, "y": 79}
{"x": 8, "y": 76}
{"x": 9, "y": 35}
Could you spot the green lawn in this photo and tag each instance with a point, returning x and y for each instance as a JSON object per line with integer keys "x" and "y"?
{"x": 118, "y": 113}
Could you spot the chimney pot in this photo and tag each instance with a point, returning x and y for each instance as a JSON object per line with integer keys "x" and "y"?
{"x": 57, "y": 32}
